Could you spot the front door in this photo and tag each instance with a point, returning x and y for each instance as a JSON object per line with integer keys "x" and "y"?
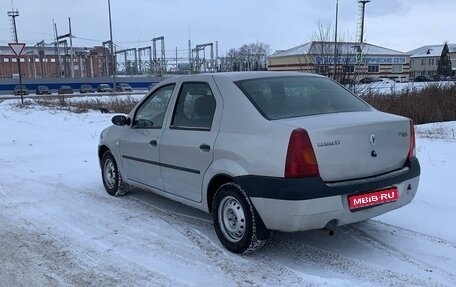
{"x": 186, "y": 149}
{"x": 139, "y": 146}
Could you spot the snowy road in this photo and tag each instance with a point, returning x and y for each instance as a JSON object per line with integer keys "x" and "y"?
{"x": 58, "y": 227}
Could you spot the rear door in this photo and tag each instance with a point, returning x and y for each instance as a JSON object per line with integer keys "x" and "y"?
{"x": 186, "y": 148}
{"x": 139, "y": 145}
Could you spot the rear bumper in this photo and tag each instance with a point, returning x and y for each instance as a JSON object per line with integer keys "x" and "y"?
{"x": 303, "y": 204}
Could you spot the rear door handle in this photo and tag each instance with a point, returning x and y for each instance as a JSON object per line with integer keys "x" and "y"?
{"x": 205, "y": 147}
{"x": 153, "y": 143}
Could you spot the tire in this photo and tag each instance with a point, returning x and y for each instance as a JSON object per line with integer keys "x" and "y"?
{"x": 110, "y": 174}
{"x": 237, "y": 224}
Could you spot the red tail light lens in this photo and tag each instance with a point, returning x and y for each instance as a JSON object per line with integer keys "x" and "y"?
{"x": 412, "y": 151}
{"x": 301, "y": 160}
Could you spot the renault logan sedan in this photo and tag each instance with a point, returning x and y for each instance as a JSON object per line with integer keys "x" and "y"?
{"x": 263, "y": 151}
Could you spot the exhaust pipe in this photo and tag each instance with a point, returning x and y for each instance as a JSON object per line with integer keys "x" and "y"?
{"x": 329, "y": 229}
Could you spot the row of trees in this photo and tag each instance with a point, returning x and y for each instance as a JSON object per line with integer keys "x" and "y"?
{"x": 249, "y": 57}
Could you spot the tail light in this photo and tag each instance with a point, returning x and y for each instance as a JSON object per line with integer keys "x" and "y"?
{"x": 301, "y": 160}
{"x": 412, "y": 150}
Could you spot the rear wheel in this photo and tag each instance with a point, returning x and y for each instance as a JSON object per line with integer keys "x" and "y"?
{"x": 238, "y": 226}
{"x": 112, "y": 179}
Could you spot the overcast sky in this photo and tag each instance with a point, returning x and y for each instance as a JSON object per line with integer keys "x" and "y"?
{"x": 397, "y": 24}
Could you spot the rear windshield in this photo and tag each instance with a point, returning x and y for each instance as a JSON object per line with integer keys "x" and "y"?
{"x": 288, "y": 97}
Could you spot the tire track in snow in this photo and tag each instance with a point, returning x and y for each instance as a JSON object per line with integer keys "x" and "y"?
{"x": 239, "y": 268}
{"x": 402, "y": 230}
{"x": 302, "y": 253}
{"x": 332, "y": 262}
{"x": 85, "y": 262}
{"x": 374, "y": 242}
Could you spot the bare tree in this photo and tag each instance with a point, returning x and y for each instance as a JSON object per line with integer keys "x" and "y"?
{"x": 339, "y": 61}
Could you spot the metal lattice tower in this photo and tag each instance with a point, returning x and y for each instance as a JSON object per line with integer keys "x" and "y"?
{"x": 13, "y": 14}
{"x": 147, "y": 67}
{"x": 109, "y": 60}
{"x": 129, "y": 67}
{"x": 360, "y": 27}
{"x": 159, "y": 65}
{"x": 207, "y": 65}
{"x": 68, "y": 56}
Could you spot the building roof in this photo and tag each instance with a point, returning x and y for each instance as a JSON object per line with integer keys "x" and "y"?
{"x": 318, "y": 47}
{"x": 431, "y": 51}
{"x": 48, "y": 51}
{"x": 299, "y": 50}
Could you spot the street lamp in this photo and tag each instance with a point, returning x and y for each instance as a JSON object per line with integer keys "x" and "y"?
{"x": 113, "y": 57}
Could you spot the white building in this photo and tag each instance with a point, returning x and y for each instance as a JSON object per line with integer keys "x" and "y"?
{"x": 425, "y": 60}
{"x": 358, "y": 59}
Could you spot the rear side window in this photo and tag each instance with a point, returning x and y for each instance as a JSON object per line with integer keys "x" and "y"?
{"x": 288, "y": 97}
{"x": 195, "y": 107}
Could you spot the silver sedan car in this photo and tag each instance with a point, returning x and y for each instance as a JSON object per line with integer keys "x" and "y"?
{"x": 262, "y": 152}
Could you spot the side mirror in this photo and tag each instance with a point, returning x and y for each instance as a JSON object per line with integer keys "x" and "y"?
{"x": 121, "y": 120}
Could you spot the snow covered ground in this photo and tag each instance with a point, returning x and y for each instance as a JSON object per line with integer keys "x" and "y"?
{"x": 58, "y": 227}
{"x": 387, "y": 86}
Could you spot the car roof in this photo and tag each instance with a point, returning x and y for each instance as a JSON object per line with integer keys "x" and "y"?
{"x": 239, "y": 76}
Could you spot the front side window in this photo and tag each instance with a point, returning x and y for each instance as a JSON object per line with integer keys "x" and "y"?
{"x": 195, "y": 107}
{"x": 151, "y": 113}
{"x": 289, "y": 97}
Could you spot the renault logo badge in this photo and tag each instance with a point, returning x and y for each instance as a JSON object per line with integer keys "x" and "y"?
{"x": 372, "y": 140}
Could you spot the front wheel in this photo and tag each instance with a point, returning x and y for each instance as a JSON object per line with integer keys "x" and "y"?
{"x": 112, "y": 180}
{"x": 236, "y": 223}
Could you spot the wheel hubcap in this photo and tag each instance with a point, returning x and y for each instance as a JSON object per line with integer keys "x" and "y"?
{"x": 109, "y": 174}
{"x": 231, "y": 219}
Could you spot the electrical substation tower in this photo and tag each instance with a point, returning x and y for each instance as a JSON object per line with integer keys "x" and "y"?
{"x": 145, "y": 66}
{"x": 360, "y": 27}
{"x": 208, "y": 66}
{"x": 128, "y": 66}
{"x": 109, "y": 66}
{"x": 158, "y": 65}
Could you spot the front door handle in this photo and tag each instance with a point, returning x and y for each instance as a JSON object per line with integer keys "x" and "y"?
{"x": 153, "y": 143}
{"x": 205, "y": 147}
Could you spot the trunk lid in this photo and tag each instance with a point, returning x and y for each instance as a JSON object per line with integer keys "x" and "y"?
{"x": 357, "y": 144}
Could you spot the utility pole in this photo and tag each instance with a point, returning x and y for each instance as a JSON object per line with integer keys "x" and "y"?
{"x": 13, "y": 14}
{"x": 335, "y": 41}
{"x": 190, "y": 60}
{"x": 113, "y": 59}
{"x": 57, "y": 49}
{"x": 71, "y": 49}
